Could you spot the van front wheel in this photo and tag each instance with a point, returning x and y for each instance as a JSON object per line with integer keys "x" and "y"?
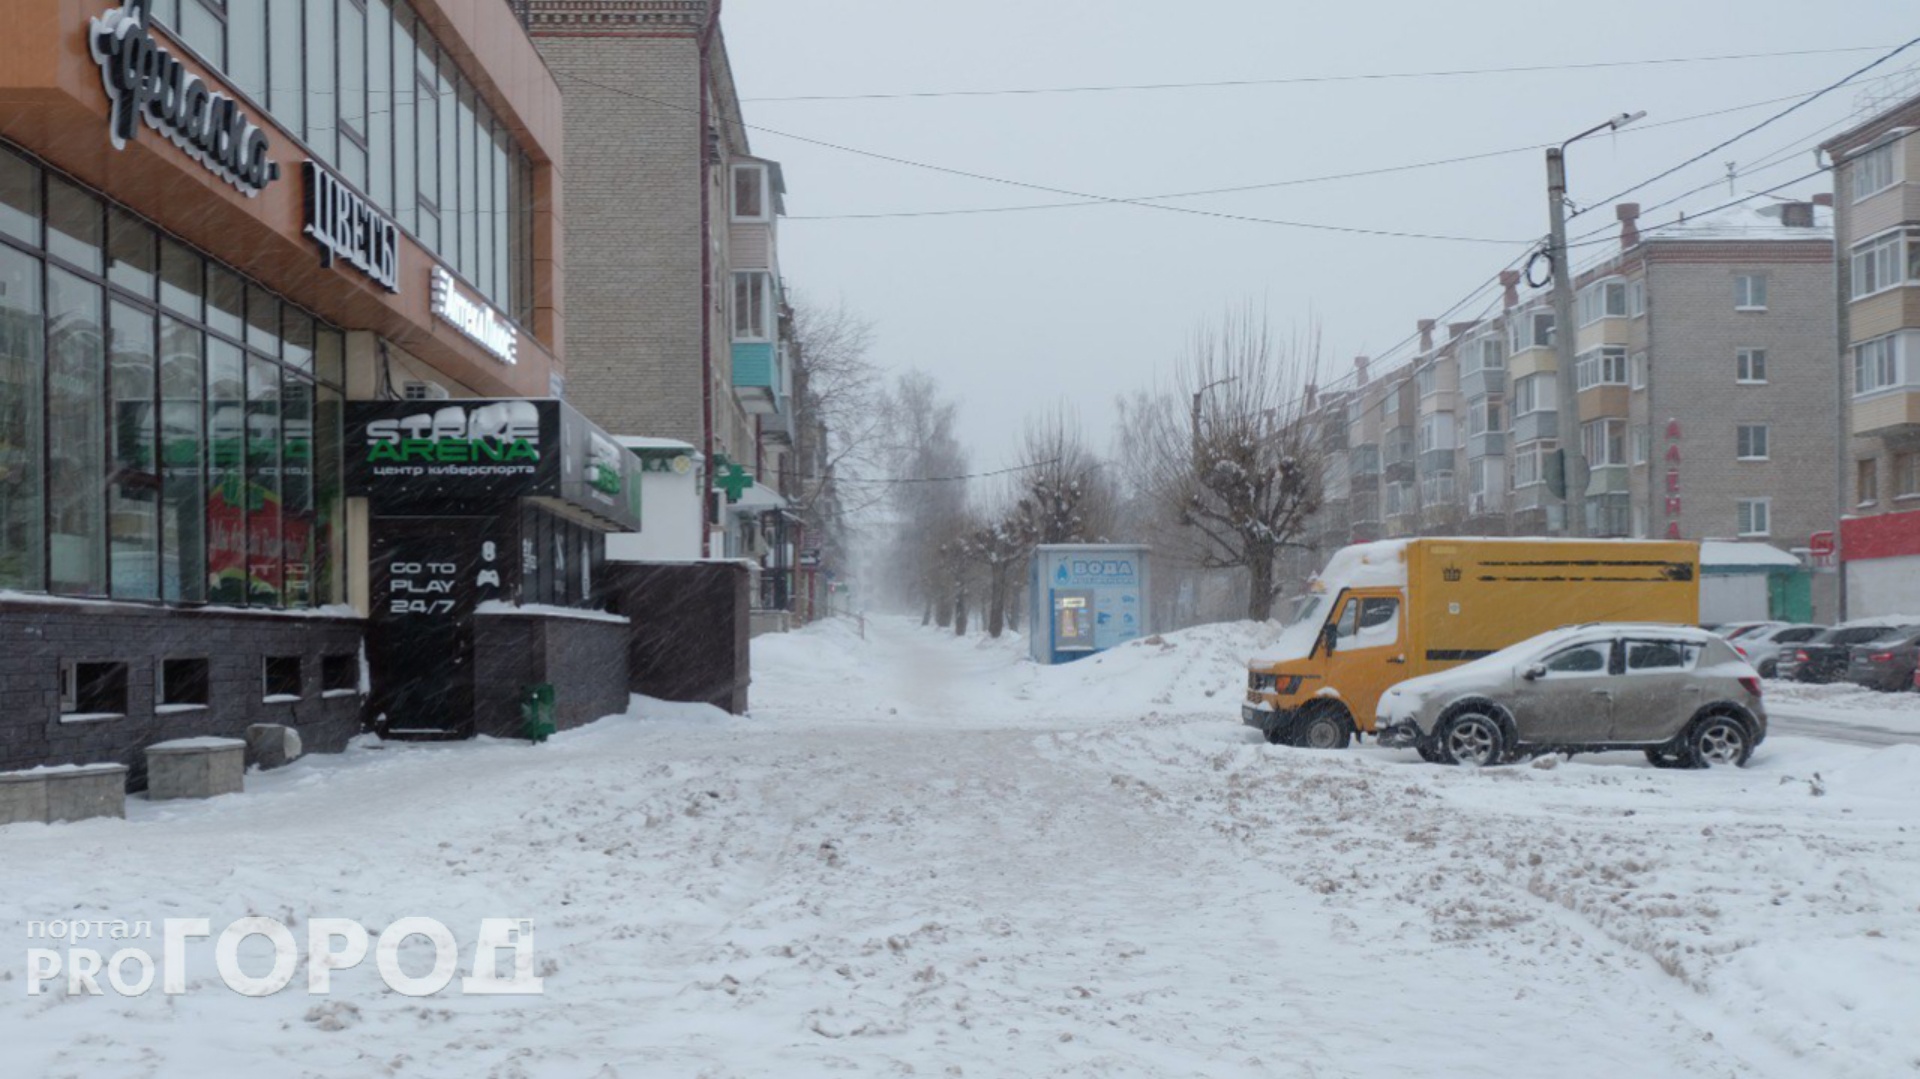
{"x": 1324, "y": 727}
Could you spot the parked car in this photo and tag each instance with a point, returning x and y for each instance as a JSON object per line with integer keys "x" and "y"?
{"x": 1734, "y": 631}
{"x": 1681, "y": 695}
{"x": 1890, "y": 663}
{"x": 1826, "y": 657}
{"x": 1762, "y": 648}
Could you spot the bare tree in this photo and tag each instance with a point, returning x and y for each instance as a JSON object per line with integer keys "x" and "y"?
{"x": 928, "y": 500}
{"x": 1227, "y": 453}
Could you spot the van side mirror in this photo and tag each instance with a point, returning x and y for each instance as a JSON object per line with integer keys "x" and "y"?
{"x": 1330, "y": 635}
{"x": 1534, "y": 672}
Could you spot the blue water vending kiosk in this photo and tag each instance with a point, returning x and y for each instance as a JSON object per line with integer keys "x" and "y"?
{"x": 1084, "y": 598}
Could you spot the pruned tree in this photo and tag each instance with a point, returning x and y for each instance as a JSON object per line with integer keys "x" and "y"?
{"x": 1227, "y": 454}
{"x": 839, "y": 424}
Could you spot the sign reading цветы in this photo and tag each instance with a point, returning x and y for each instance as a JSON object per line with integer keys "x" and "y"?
{"x": 487, "y": 327}
{"x": 349, "y": 227}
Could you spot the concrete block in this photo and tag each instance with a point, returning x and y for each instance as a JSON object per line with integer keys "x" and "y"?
{"x": 23, "y": 797}
{"x": 196, "y": 768}
{"x": 85, "y": 791}
{"x": 272, "y": 745}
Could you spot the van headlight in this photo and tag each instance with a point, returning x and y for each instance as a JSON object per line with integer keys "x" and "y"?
{"x": 1284, "y": 684}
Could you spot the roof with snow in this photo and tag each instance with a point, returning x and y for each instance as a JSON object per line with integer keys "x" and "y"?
{"x": 1728, "y": 554}
{"x": 1743, "y": 222}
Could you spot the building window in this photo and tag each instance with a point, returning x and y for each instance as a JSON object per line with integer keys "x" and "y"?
{"x": 1605, "y": 442}
{"x": 1637, "y": 297}
{"x": 1605, "y": 366}
{"x": 1866, "y": 480}
{"x": 750, "y": 193}
{"x": 1639, "y": 370}
{"x": 1877, "y": 364}
{"x": 1750, "y": 365}
{"x": 1483, "y": 354}
{"x": 92, "y": 690}
{"x": 1535, "y": 393}
{"x": 1755, "y": 516}
{"x": 1391, "y": 407}
{"x": 1427, "y": 381}
{"x": 1875, "y": 170}
{"x": 1750, "y": 292}
{"x": 183, "y": 682}
{"x": 1531, "y": 330}
{"x": 1906, "y": 474}
{"x": 1752, "y": 438}
{"x": 1642, "y": 443}
{"x": 280, "y": 678}
{"x": 752, "y": 307}
{"x": 1529, "y": 464}
{"x": 1436, "y": 432}
{"x": 1484, "y": 417}
{"x": 340, "y": 673}
{"x": 143, "y": 491}
{"x": 1603, "y": 299}
{"x": 1876, "y": 265}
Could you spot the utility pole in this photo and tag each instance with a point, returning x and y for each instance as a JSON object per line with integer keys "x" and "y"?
{"x": 1573, "y": 452}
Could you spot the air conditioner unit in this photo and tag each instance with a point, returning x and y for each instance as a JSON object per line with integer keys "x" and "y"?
{"x": 423, "y": 391}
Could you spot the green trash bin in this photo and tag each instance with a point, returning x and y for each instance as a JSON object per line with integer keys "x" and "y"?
{"x": 536, "y": 712}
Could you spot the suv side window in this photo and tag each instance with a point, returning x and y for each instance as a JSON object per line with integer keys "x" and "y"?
{"x": 1581, "y": 659}
{"x": 1661, "y": 656}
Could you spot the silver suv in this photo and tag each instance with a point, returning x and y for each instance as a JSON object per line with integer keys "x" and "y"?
{"x": 1682, "y": 695}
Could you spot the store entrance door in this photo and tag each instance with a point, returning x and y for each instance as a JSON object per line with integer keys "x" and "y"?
{"x": 428, "y": 575}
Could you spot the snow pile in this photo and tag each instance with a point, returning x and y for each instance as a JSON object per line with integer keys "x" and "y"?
{"x": 1843, "y": 704}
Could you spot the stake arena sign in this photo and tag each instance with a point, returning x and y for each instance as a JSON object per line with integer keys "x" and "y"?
{"x": 146, "y": 82}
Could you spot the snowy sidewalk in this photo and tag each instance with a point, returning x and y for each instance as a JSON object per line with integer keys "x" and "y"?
{"x": 924, "y": 856}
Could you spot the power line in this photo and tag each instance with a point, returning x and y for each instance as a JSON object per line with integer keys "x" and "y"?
{"x": 1240, "y": 188}
{"x": 1309, "y": 79}
{"x": 893, "y": 480}
{"x": 950, "y": 171}
{"x": 1776, "y": 116}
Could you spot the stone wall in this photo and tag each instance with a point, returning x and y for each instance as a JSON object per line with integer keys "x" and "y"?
{"x": 584, "y": 659}
{"x": 36, "y": 637}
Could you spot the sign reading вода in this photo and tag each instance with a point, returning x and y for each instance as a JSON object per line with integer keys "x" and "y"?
{"x": 349, "y": 227}
{"x": 487, "y": 327}
{"x": 146, "y": 82}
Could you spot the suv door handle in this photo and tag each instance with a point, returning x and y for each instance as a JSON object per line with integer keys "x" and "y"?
{"x": 1397, "y": 659}
{"x": 1601, "y": 693}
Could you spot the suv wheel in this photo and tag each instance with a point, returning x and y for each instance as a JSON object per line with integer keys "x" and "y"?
{"x": 1717, "y": 740}
{"x": 1474, "y": 737}
{"x": 1324, "y": 727}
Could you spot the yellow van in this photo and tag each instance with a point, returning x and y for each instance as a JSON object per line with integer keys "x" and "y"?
{"x": 1381, "y": 613}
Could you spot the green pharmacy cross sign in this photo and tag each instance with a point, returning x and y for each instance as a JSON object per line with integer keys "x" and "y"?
{"x": 731, "y": 478}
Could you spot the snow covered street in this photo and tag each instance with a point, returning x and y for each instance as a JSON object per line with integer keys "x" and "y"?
{"x": 922, "y": 855}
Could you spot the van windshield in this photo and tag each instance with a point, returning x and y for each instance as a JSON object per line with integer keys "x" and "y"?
{"x": 1305, "y": 608}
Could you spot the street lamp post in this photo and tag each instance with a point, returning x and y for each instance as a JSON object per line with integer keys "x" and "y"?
{"x": 1197, "y": 394}
{"x": 1572, "y": 452}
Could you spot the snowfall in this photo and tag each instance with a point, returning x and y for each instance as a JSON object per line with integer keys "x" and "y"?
{"x": 923, "y": 855}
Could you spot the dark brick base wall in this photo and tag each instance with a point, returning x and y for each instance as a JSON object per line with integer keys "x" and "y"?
{"x": 690, "y": 629}
{"x": 584, "y": 659}
{"x": 35, "y": 638}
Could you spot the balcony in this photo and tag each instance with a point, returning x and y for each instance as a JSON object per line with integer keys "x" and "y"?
{"x": 1887, "y": 415}
{"x": 1399, "y": 454}
{"x": 1485, "y": 382}
{"x": 1535, "y": 427}
{"x": 1363, "y": 460}
{"x": 1607, "y": 480}
{"x": 1437, "y": 460}
{"x": 759, "y": 377}
{"x": 1487, "y": 444}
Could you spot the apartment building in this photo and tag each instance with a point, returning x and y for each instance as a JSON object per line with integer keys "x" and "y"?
{"x": 1705, "y": 391}
{"x": 1877, "y": 264}
{"x": 677, "y": 316}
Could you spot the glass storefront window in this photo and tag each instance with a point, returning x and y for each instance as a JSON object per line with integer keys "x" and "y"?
{"x": 19, "y": 198}
{"x": 468, "y": 208}
{"x": 133, "y": 487}
{"x": 145, "y": 453}
{"x": 183, "y": 573}
{"x": 76, "y": 436}
{"x": 263, "y": 486}
{"x": 380, "y": 107}
{"x": 22, "y": 336}
{"x": 405, "y": 147}
{"x": 449, "y": 200}
{"x": 226, "y": 391}
{"x": 247, "y": 49}
{"x": 286, "y": 93}
{"x": 297, "y": 520}
{"x": 203, "y": 25}
{"x": 319, "y": 61}
{"x": 296, "y": 338}
{"x": 263, "y": 320}
{"x": 330, "y": 526}
{"x": 131, "y": 256}
{"x": 75, "y": 221}
{"x": 180, "y": 285}
{"x": 226, "y": 298}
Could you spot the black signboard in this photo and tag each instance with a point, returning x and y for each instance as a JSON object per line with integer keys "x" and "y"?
{"x": 428, "y": 576}
{"x": 424, "y": 456}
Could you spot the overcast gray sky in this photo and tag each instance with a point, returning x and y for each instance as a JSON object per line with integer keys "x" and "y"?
{"x": 1014, "y": 311}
